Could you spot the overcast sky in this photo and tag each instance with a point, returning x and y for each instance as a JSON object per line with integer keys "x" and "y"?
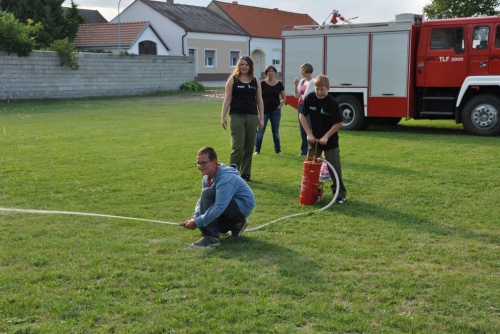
{"x": 319, "y": 10}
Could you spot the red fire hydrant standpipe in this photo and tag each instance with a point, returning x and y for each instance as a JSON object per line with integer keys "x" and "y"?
{"x": 306, "y": 213}
{"x": 311, "y": 189}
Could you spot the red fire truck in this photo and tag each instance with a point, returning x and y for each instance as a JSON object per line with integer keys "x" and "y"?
{"x": 408, "y": 68}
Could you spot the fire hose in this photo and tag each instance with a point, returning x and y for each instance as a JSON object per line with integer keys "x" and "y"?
{"x": 12, "y": 210}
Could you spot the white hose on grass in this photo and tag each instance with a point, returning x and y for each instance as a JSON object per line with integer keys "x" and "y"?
{"x": 47, "y": 212}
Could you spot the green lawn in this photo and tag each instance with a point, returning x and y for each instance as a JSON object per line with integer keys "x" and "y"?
{"x": 414, "y": 250}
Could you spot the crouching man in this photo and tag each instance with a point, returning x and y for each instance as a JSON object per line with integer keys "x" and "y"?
{"x": 225, "y": 202}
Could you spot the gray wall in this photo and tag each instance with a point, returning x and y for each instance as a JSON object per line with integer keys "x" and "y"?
{"x": 41, "y": 75}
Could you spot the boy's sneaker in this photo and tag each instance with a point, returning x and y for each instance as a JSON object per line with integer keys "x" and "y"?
{"x": 246, "y": 177}
{"x": 256, "y": 153}
{"x": 239, "y": 228}
{"x": 340, "y": 200}
{"x": 207, "y": 241}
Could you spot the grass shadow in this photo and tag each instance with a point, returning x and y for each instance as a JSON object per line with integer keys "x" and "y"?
{"x": 267, "y": 255}
{"x": 362, "y": 209}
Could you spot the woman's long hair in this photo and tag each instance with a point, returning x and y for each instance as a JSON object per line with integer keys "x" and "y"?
{"x": 237, "y": 72}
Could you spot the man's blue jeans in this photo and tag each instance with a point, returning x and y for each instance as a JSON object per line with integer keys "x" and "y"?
{"x": 225, "y": 222}
{"x": 274, "y": 117}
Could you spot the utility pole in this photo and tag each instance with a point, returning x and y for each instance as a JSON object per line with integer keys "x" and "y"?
{"x": 119, "y": 35}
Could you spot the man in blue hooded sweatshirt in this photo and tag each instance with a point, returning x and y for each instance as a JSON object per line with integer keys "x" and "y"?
{"x": 225, "y": 201}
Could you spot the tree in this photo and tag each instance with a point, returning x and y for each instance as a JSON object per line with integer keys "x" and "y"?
{"x": 55, "y": 25}
{"x": 461, "y": 8}
{"x": 73, "y": 21}
{"x": 16, "y": 37}
{"x": 5, "y": 5}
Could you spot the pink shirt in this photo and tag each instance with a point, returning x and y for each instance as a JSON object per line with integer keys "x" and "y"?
{"x": 302, "y": 91}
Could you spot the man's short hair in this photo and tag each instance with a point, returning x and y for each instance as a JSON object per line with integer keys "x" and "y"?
{"x": 307, "y": 67}
{"x": 212, "y": 155}
{"x": 322, "y": 81}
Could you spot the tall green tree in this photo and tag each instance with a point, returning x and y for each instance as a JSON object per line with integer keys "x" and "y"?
{"x": 73, "y": 21}
{"x": 5, "y": 5}
{"x": 55, "y": 24}
{"x": 461, "y": 8}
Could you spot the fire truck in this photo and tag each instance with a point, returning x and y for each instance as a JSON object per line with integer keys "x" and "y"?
{"x": 408, "y": 68}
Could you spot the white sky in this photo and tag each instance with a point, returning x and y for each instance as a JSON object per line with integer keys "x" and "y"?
{"x": 319, "y": 10}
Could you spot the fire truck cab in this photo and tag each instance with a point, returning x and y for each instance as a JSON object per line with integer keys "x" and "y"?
{"x": 408, "y": 68}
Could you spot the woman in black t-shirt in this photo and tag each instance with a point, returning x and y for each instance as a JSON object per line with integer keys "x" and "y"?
{"x": 243, "y": 100}
{"x": 273, "y": 94}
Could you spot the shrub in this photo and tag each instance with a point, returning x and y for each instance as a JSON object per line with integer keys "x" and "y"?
{"x": 192, "y": 86}
{"x": 67, "y": 53}
{"x": 16, "y": 37}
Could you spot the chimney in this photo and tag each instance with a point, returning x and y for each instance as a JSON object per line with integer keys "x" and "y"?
{"x": 170, "y": 2}
{"x": 235, "y": 2}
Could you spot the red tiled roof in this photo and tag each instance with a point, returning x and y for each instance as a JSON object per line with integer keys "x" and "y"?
{"x": 263, "y": 22}
{"x": 106, "y": 34}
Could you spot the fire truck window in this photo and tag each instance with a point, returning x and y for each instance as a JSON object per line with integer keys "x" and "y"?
{"x": 448, "y": 38}
{"x": 480, "y": 37}
{"x": 442, "y": 39}
{"x": 459, "y": 41}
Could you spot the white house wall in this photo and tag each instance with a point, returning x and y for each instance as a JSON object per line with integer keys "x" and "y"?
{"x": 266, "y": 46}
{"x": 169, "y": 31}
{"x": 149, "y": 35}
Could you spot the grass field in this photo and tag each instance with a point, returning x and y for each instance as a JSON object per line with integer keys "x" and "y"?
{"x": 416, "y": 248}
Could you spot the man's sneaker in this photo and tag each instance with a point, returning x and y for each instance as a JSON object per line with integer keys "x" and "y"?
{"x": 256, "y": 153}
{"x": 239, "y": 228}
{"x": 340, "y": 200}
{"x": 207, "y": 241}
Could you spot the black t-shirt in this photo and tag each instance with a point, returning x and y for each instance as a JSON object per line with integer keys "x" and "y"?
{"x": 324, "y": 114}
{"x": 244, "y": 101}
{"x": 271, "y": 95}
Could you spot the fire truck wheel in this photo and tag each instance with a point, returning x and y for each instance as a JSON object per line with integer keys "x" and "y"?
{"x": 352, "y": 113}
{"x": 480, "y": 115}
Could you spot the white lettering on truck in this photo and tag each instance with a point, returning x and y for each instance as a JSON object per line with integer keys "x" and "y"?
{"x": 448, "y": 58}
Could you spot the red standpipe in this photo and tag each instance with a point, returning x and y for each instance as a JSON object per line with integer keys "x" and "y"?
{"x": 311, "y": 189}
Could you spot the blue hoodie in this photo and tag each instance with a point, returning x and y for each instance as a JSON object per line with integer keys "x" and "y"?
{"x": 228, "y": 185}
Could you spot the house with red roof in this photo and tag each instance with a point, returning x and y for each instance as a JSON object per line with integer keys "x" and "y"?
{"x": 216, "y": 36}
{"x": 214, "y": 42}
{"x": 263, "y": 26}
{"x": 132, "y": 37}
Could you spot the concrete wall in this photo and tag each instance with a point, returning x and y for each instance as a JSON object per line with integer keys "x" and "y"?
{"x": 41, "y": 75}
